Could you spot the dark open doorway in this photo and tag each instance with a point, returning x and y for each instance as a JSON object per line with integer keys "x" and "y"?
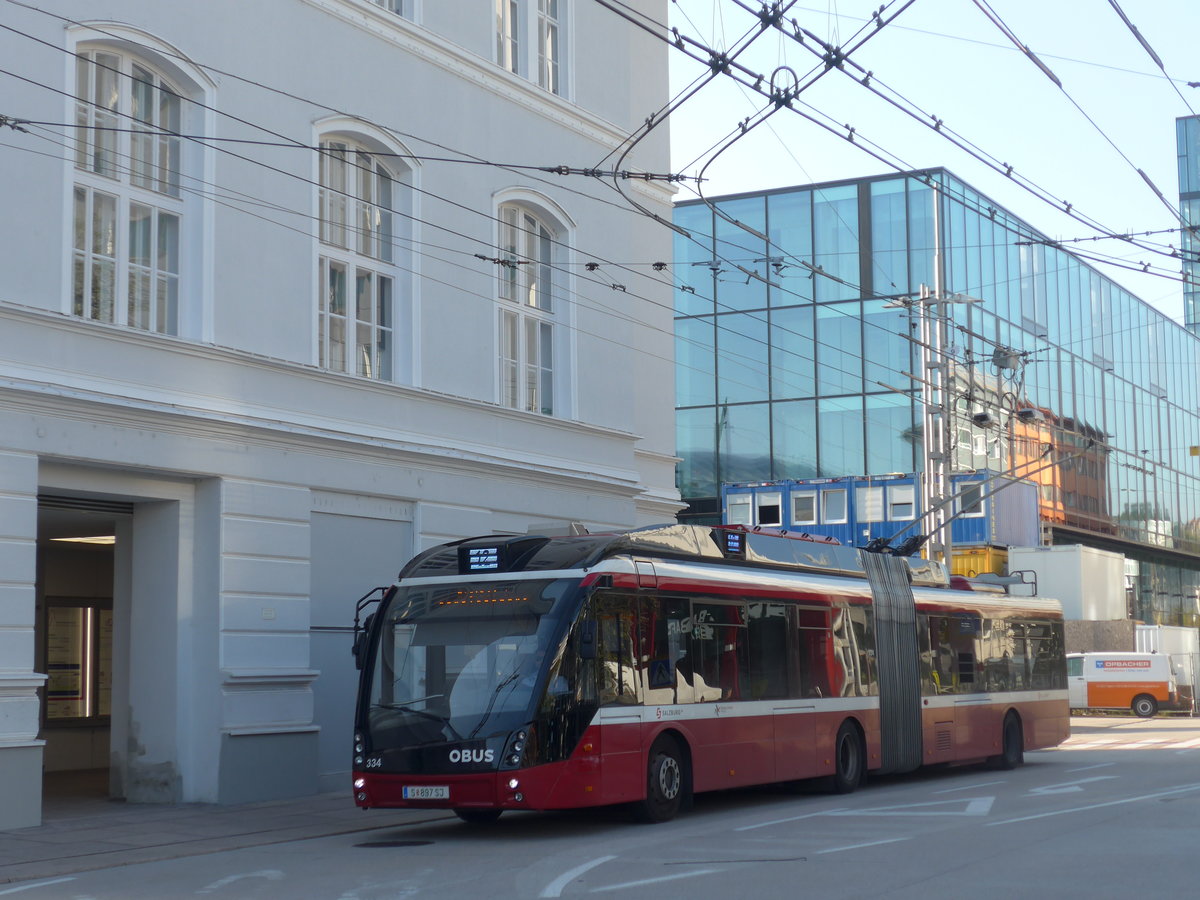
{"x": 74, "y": 645}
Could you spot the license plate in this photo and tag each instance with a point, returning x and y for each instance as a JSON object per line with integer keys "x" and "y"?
{"x": 426, "y": 792}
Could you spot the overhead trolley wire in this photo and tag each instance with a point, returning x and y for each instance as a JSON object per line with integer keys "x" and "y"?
{"x": 1029, "y": 54}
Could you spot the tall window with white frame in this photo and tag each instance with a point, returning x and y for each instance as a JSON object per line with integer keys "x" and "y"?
{"x": 549, "y": 53}
{"x": 128, "y": 205}
{"x": 357, "y": 279}
{"x": 508, "y": 30}
{"x": 527, "y": 308}
{"x": 529, "y": 40}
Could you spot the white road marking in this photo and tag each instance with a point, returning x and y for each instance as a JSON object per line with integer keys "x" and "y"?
{"x": 1096, "y": 766}
{"x": 972, "y": 787}
{"x": 1068, "y": 787}
{"x": 789, "y": 819}
{"x": 976, "y": 806}
{"x": 375, "y": 888}
{"x": 860, "y": 846}
{"x": 1062, "y": 812}
{"x": 1120, "y": 744}
{"x": 555, "y": 888}
{"x": 269, "y": 874}
{"x": 645, "y": 881}
{"x": 30, "y": 887}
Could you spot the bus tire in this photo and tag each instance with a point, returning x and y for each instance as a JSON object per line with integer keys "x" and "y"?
{"x": 478, "y": 816}
{"x": 849, "y": 759}
{"x": 1144, "y": 705}
{"x": 1012, "y": 744}
{"x": 666, "y": 782}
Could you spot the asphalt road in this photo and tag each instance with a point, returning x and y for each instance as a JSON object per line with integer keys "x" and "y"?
{"x": 1113, "y": 813}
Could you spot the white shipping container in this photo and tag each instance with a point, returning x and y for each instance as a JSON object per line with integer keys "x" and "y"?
{"x": 1171, "y": 639}
{"x": 1090, "y": 583}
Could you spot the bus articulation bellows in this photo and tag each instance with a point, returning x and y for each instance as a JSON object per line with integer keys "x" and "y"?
{"x": 528, "y": 672}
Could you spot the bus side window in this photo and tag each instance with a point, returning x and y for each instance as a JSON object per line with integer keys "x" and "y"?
{"x": 615, "y": 618}
{"x": 720, "y": 669}
{"x": 864, "y": 646}
{"x": 664, "y": 663}
{"x": 998, "y": 643}
{"x": 812, "y": 637}
{"x": 1023, "y": 659}
{"x": 853, "y": 652}
{"x": 928, "y": 685}
{"x": 1054, "y": 650}
{"x": 942, "y": 656}
{"x": 767, "y": 629}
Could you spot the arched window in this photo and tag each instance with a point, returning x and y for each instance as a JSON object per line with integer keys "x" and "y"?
{"x": 529, "y": 292}
{"x": 357, "y": 309}
{"x": 128, "y": 206}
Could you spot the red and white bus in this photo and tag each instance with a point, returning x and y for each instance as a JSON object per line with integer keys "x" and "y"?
{"x": 526, "y": 672}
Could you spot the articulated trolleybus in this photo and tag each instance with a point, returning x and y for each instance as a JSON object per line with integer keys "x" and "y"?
{"x": 524, "y": 672}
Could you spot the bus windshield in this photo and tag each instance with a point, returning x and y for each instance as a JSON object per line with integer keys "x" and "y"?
{"x": 462, "y": 661}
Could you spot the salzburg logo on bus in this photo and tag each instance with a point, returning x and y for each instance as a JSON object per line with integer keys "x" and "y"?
{"x": 472, "y": 756}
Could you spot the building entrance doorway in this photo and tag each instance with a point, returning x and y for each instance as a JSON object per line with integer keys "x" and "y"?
{"x": 76, "y": 554}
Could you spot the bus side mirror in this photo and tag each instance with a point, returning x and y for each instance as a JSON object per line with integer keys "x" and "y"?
{"x": 587, "y": 640}
{"x": 362, "y": 639}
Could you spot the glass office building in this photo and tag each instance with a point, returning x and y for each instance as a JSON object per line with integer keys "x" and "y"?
{"x": 797, "y": 357}
{"x": 1187, "y": 130}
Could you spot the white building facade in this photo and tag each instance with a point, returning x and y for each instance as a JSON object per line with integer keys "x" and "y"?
{"x": 284, "y": 301}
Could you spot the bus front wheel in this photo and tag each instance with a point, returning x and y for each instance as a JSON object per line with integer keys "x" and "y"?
{"x": 1145, "y": 706}
{"x": 666, "y": 783}
{"x": 849, "y": 760}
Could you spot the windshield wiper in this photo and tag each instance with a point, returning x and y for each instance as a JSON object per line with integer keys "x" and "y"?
{"x": 507, "y": 680}
{"x": 417, "y": 700}
{"x": 423, "y": 713}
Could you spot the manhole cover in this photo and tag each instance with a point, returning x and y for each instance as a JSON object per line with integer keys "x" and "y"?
{"x": 393, "y": 844}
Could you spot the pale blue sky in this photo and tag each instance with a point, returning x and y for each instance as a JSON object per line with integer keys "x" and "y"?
{"x": 947, "y": 58}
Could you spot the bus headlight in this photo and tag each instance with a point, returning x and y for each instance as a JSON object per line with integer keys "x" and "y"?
{"x": 514, "y": 749}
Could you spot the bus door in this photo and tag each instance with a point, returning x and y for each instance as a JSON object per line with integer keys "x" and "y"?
{"x": 738, "y": 737}
{"x": 947, "y": 722}
{"x": 781, "y": 662}
{"x": 620, "y": 692}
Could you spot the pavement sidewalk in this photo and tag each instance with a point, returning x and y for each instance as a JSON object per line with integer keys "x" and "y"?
{"x": 109, "y": 833}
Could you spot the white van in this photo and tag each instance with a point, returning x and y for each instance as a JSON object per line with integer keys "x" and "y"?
{"x": 1142, "y": 682}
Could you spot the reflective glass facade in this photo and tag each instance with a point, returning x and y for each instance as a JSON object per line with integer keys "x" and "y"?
{"x": 794, "y": 361}
{"x": 1188, "y": 136}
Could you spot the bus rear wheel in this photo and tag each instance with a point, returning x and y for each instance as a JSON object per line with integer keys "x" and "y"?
{"x": 1012, "y": 745}
{"x": 1144, "y": 705}
{"x": 478, "y": 816}
{"x": 666, "y": 784}
{"x": 849, "y": 760}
